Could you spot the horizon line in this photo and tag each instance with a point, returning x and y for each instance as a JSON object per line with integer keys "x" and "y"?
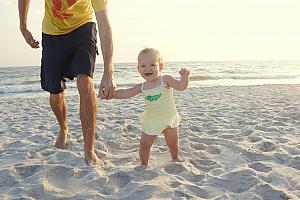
{"x": 170, "y": 61}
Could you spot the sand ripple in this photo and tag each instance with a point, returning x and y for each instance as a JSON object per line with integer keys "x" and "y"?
{"x": 238, "y": 143}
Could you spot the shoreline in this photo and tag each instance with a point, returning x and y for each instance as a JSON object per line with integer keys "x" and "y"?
{"x": 44, "y": 93}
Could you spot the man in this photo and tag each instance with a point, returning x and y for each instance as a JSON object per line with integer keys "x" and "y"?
{"x": 69, "y": 50}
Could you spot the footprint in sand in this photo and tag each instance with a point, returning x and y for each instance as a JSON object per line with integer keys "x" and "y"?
{"x": 205, "y": 164}
{"x": 149, "y": 175}
{"x": 179, "y": 194}
{"x": 282, "y": 140}
{"x": 266, "y": 146}
{"x": 225, "y": 196}
{"x": 120, "y": 179}
{"x": 28, "y": 170}
{"x": 267, "y": 192}
{"x": 7, "y": 179}
{"x": 174, "y": 184}
{"x": 196, "y": 129}
{"x": 295, "y": 162}
{"x": 131, "y": 127}
{"x": 279, "y": 123}
{"x": 174, "y": 168}
{"x": 237, "y": 181}
{"x": 290, "y": 149}
{"x": 282, "y": 157}
{"x": 213, "y": 149}
{"x": 120, "y": 122}
{"x": 33, "y": 155}
{"x": 66, "y": 179}
{"x": 199, "y": 146}
{"x": 254, "y": 138}
{"x": 48, "y": 152}
{"x": 260, "y": 167}
{"x": 199, "y": 192}
{"x": 61, "y": 173}
{"x": 227, "y": 136}
{"x": 192, "y": 177}
{"x": 143, "y": 192}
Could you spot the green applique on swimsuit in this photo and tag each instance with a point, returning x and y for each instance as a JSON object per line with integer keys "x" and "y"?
{"x": 154, "y": 97}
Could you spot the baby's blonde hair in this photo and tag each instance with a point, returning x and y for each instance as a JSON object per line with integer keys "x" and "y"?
{"x": 149, "y": 50}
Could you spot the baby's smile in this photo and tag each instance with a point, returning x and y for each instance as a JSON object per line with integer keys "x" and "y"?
{"x": 148, "y": 74}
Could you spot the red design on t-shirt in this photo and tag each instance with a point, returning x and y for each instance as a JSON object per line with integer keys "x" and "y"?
{"x": 58, "y": 7}
{"x": 71, "y": 2}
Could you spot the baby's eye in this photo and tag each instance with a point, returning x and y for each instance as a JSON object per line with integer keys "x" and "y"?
{"x": 153, "y": 65}
{"x": 142, "y": 66}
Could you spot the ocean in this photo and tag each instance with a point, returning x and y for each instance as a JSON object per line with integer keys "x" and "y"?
{"x": 16, "y": 81}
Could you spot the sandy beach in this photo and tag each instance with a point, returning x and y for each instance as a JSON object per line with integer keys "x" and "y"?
{"x": 238, "y": 142}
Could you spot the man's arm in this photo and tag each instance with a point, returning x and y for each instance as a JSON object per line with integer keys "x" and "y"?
{"x": 23, "y": 6}
{"x": 107, "y": 85}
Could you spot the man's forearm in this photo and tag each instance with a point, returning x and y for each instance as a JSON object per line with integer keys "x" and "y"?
{"x": 23, "y": 6}
{"x": 107, "y": 51}
{"x": 106, "y": 41}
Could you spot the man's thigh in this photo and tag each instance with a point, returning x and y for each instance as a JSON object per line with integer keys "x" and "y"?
{"x": 66, "y": 56}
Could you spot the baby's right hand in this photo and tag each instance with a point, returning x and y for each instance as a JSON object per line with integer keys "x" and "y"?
{"x": 184, "y": 73}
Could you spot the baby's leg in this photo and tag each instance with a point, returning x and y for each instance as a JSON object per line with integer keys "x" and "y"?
{"x": 172, "y": 140}
{"x": 145, "y": 146}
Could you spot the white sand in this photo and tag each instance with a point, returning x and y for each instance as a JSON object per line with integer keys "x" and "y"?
{"x": 238, "y": 142}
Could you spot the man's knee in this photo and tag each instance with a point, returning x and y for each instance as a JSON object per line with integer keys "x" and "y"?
{"x": 84, "y": 83}
{"x": 57, "y": 98}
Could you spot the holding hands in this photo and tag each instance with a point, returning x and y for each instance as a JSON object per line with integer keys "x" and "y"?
{"x": 107, "y": 86}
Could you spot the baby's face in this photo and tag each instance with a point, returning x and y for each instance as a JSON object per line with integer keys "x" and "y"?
{"x": 148, "y": 66}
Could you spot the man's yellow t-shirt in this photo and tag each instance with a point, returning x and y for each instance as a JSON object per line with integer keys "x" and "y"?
{"x": 63, "y": 16}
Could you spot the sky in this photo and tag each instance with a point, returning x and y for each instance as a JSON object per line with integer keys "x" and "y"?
{"x": 190, "y": 30}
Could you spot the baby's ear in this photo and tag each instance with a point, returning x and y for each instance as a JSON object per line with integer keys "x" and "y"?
{"x": 161, "y": 66}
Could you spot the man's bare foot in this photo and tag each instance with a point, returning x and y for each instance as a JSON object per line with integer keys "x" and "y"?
{"x": 93, "y": 160}
{"x": 140, "y": 168}
{"x": 178, "y": 160}
{"x": 100, "y": 154}
{"x": 61, "y": 140}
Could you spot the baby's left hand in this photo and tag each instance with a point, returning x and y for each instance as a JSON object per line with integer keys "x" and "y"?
{"x": 184, "y": 73}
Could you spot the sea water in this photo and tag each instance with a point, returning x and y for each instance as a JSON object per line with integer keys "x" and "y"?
{"x": 25, "y": 80}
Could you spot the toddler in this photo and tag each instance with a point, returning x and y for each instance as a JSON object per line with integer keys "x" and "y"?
{"x": 161, "y": 116}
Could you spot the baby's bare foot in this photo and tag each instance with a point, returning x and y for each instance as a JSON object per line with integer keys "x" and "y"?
{"x": 61, "y": 140}
{"x": 140, "y": 168}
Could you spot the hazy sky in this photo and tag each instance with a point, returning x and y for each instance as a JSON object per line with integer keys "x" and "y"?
{"x": 182, "y": 30}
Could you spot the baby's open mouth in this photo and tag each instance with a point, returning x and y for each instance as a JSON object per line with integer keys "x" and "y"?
{"x": 148, "y": 74}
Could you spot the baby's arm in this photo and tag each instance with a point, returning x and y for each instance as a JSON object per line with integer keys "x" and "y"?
{"x": 127, "y": 93}
{"x": 178, "y": 85}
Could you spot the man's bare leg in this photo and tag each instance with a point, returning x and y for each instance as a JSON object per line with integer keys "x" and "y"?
{"x": 59, "y": 107}
{"x": 144, "y": 151}
{"x": 172, "y": 140}
{"x": 88, "y": 111}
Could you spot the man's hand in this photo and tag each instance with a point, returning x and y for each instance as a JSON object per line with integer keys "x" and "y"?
{"x": 29, "y": 39}
{"x": 107, "y": 86}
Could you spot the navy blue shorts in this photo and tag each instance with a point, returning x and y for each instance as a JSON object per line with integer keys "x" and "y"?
{"x": 66, "y": 56}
